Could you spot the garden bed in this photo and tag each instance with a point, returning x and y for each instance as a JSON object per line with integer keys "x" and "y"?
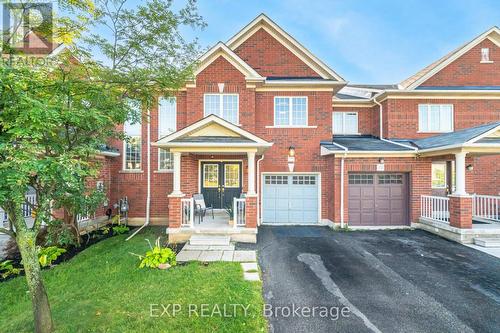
{"x": 87, "y": 241}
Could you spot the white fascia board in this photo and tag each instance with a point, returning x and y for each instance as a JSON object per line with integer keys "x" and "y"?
{"x": 212, "y": 144}
{"x": 207, "y": 120}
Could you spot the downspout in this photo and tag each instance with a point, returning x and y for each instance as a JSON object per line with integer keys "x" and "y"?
{"x": 381, "y": 129}
{"x": 258, "y": 189}
{"x": 342, "y": 192}
{"x": 148, "y": 195}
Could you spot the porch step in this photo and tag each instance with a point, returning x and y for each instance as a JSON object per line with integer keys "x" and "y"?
{"x": 487, "y": 242}
{"x": 209, "y": 240}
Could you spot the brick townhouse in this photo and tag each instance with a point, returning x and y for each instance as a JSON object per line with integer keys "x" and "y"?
{"x": 269, "y": 134}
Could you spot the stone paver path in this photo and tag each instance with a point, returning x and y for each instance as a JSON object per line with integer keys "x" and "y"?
{"x": 215, "y": 253}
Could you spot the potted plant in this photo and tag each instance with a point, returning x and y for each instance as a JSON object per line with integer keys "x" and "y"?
{"x": 230, "y": 212}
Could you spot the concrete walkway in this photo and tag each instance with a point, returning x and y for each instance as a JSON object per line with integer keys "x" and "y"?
{"x": 215, "y": 253}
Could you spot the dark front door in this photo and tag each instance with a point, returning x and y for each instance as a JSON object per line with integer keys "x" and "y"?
{"x": 220, "y": 183}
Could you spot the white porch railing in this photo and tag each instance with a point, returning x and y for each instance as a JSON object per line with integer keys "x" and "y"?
{"x": 435, "y": 208}
{"x": 187, "y": 212}
{"x": 239, "y": 211}
{"x": 27, "y": 209}
{"x": 486, "y": 207}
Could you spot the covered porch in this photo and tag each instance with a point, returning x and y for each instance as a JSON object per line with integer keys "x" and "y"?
{"x": 214, "y": 180}
{"x": 462, "y": 216}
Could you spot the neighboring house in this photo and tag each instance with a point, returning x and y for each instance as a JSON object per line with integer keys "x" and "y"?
{"x": 266, "y": 118}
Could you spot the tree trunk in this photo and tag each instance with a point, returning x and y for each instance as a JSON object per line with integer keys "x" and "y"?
{"x": 26, "y": 241}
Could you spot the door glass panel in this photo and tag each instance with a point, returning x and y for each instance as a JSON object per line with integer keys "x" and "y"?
{"x": 210, "y": 175}
{"x": 232, "y": 175}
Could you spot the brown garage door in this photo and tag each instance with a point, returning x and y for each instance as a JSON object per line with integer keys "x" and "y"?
{"x": 378, "y": 199}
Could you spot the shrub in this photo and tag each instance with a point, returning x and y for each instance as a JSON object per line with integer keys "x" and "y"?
{"x": 47, "y": 255}
{"x": 157, "y": 255}
{"x": 120, "y": 229}
{"x": 59, "y": 234}
{"x": 7, "y": 269}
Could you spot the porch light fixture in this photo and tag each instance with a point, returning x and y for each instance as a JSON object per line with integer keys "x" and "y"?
{"x": 291, "y": 158}
{"x": 469, "y": 167}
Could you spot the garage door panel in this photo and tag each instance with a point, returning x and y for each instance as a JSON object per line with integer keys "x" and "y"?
{"x": 295, "y": 199}
{"x": 377, "y": 199}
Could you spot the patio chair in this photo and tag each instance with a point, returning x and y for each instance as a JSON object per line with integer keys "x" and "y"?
{"x": 200, "y": 208}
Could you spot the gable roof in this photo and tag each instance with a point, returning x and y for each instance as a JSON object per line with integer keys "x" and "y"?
{"x": 461, "y": 137}
{"x": 233, "y": 135}
{"x": 415, "y": 80}
{"x": 221, "y": 50}
{"x": 264, "y": 22}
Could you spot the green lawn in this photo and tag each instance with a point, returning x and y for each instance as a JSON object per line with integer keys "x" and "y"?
{"x": 102, "y": 290}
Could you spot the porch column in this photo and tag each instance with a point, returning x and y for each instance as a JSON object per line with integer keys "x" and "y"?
{"x": 177, "y": 174}
{"x": 251, "y": 173}
{"x": 460, "y": 173}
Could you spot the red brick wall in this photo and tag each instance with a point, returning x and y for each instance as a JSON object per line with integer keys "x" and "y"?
{"x": 270, "y": 58}
{"x": 487, "y": 175}
{"x": 468, "y": 71}
{"x": 305, "y": 140}
{"x": 401, "y": 115}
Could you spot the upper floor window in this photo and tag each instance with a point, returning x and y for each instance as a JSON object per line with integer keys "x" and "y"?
{"x": 167, "y": 116}
{"x": 345, "y": 123}
{"x": 167, "y": 123}
{"x": 222, "y": 105}
{"x": 132, "y": 147}
{"x": 485, "y": 55}
{"x": 434, "y": 118}
{"x": 290, "y": 111}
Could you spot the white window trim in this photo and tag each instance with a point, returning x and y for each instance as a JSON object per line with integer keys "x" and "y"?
{"x": 343, "y": 123}
{"x": 445, "y": 177}
{"x": 306, "y": 125}
{"x": 489, "y": 61}
{"x": 124, "y": 160}
{"x": 428, "y": 118}
{"x": 159, "y": 169}
{"x": 221, "y": 106}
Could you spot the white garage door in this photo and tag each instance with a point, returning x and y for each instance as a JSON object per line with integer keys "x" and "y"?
{"x": 290, "y": 199}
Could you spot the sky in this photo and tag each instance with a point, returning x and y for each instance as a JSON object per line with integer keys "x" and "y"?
{"x": 364, "y": 41}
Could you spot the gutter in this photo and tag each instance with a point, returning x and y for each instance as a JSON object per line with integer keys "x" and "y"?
{"x": 148, "y": 195}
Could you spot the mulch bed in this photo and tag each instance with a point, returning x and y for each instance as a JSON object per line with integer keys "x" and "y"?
{"x": 87, "y": 241}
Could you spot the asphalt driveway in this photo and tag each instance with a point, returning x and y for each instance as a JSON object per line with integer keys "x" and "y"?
{"x": 384, "y": 281}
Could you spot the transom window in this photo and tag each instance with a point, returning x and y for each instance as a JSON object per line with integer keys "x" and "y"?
{"x": 167, "y": 124}
{"x": 434, "y": 118}
{"x": 222, "y": 105}
{"x": 290, "y": 111}
{"x": 276, "y": 180}
{"x": 360, "y": 179}
{"x": 304, "y": 180}
{"x": 345, "y": 123}
{"x": 390, "y": 179}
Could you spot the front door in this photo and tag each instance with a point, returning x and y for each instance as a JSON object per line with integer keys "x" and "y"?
{"x": 220, "y": 183}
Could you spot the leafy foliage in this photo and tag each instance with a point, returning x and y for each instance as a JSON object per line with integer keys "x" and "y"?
{"x": 7, "y": 269}
{"x": 120, "y": 229}
{"x": 47, "y": 255}
{"x": 157, "y": 255}
{"x": 59, "y": 234}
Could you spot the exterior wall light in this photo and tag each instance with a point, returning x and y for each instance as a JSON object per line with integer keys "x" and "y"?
{"x": 469, "y": 167}
{"x": 291, "y": 158}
